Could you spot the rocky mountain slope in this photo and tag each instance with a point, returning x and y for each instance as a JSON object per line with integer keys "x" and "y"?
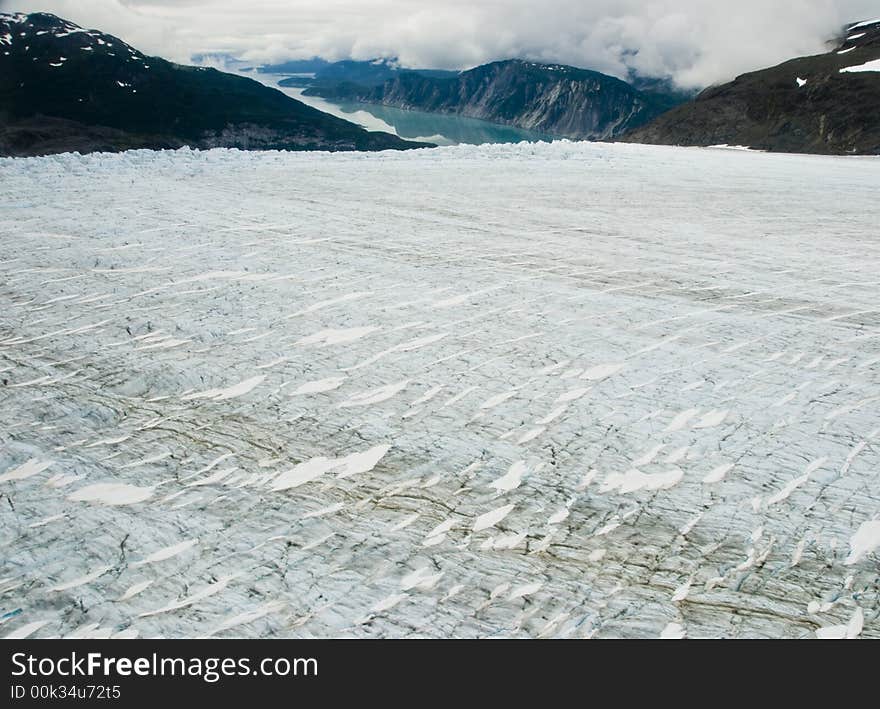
{"x": 554, "y": 99}
{"x": 64, "y": 88}
{"x": 828, "y": 103}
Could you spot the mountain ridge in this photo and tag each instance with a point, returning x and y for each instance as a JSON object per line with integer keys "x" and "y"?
{"x": 554, "y": 99}
{"x": 63, "y": 87}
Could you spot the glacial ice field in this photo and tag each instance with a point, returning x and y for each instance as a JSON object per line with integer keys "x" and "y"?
{"x": 555, "y": 390}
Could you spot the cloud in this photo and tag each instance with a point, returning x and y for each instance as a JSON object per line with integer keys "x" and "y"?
{"x": 694, "y": 42}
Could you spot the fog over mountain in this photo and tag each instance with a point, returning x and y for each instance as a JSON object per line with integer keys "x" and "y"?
{"x": 694, "y": 42}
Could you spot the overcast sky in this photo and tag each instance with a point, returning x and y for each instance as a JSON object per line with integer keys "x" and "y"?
{"x": 696, "y": 42}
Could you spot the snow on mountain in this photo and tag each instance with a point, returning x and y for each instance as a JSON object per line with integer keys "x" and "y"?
{"x": 828, "y": 103}
{"x": 873, "y": 65}
{"x": 623, "y": 391}
{"x": 24, "y": 29}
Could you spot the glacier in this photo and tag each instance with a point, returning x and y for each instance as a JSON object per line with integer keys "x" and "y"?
{"x": 549, "y": 390}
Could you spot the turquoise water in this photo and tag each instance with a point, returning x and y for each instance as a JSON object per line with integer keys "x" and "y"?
{"x": 418, "y": 125}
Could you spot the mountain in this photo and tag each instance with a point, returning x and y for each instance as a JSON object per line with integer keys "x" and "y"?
{"x": 222, "y": 61}
{"x": 827, "y": 103}
{"x": 295, "y": 66}
{"x": 360, "y": 73}
{"x": 664, "y": 91}
{"x": 553, "y": 99}
{"x": 64, "y": 88}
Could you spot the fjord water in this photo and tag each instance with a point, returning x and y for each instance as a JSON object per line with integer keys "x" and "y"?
{"x": 419, "y": 125}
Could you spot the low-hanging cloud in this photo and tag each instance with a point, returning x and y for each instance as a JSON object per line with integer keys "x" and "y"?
{"x": 693, "y": 42}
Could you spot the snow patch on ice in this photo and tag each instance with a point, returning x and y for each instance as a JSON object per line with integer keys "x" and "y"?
{"x": 112, "y": 494}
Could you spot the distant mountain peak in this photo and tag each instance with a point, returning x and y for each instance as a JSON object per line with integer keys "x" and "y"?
{"x": 21, "y": 29}
{"x": 552, "y": 99}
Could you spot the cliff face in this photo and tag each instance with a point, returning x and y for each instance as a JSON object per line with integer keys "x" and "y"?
{"x": 65, "y": 88}
{"x": 558, "y": 100}
{"x": 828, "y": 103}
